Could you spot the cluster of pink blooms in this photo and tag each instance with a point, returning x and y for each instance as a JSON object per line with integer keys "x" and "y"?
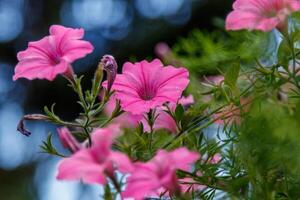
{"x": 141, "y": 87}
{"x": 99, "y": 162}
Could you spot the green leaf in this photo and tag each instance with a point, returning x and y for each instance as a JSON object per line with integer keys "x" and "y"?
{"x": 284, "y": 54}
{"x": 47, "y": 147}
{"x": 140, "y": 129}
{"x": 107, "y": 193}
{"x": 295, "y": 36}
{"x": 179, "y": 112}
{"x": 232, "y": 75}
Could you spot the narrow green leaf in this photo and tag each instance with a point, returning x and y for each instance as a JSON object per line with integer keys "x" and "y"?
{"x": 231, "y": 75}
{"x": 179, "y": 112}
{"x": 284, "y": 54}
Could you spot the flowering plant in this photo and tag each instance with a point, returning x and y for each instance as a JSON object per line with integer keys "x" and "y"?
{"x": 225, "y": 125}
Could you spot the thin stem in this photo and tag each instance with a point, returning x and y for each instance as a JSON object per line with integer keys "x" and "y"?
{"x": 151, "y": 120}
{"x": 115, "y": 184}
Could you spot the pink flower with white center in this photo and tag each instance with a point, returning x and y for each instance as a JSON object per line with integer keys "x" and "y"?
{"x": 263, "y": 15}
{"x": 68, "y": 140}
{"x": 93, "y": 165}
{"x": 146, "y": 85}
{"x": 159, "y": 174}
{"x": 53, "y": 54}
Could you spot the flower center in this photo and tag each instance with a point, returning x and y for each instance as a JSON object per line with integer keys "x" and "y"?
{"x": 55, "y": 60}
{"x": 271, "y": 13}
{"x": 147, "y": 93}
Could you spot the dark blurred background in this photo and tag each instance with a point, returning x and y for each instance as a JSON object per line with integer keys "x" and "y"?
{"x": 127, "y": 29}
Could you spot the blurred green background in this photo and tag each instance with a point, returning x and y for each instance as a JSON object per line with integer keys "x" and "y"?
{"x": 127, "y": 29}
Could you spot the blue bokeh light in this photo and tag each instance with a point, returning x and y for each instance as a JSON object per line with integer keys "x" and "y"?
{"x": 108, "y": 18}
{"x": 156, "y": 8}
{"x": 11, "y": 21}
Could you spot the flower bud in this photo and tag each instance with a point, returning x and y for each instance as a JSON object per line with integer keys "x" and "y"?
{"x": 109, "y": 64}
{"x": 68, "y": 140}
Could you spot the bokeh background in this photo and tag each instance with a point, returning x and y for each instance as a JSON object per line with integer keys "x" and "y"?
{"x": 127, "y": 29}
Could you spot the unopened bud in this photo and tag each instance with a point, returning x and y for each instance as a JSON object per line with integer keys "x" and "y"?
{"x": 68, "y": 140}
{"x": 109, "y": 64}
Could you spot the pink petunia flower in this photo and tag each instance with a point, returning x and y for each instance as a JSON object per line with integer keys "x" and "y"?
{"x": 159, "y": 174}
{"x": 263, "y": 15}
{"x": 53, "y": 54}
{"x": 143, "y": 86}
{"x": 68, "y": 140}
{"x": 93, "y": 165}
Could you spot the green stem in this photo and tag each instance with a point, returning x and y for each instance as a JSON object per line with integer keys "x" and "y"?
{"x": 293, "y": 75}
{"x": 116, "y": 184}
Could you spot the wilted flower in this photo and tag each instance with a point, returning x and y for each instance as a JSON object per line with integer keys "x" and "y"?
{"x": 21, "y": 127}
{"x": 68, "y": 140}
{"x": 52, "y": 55}
{"x": 263, "y": 15}
{"x": 143, "y": 86}
{"x": 159, "y": 173}
{"x": 93, "y": 165}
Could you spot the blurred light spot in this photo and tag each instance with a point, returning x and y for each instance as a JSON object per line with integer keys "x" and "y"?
{"x": 11, "y": 22}
{"x": 157, "y": 8}
{"x": 91, "y": 14}
{"x": 6, "y": 83}
{"x": 110, "y": 18}
{"x": 100, "y": 45}
{"x": 50, "y": 188}
{"x": 11, "y": 142}
{"x": 182, "y": 16}
{"x": 115, "y": 33}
